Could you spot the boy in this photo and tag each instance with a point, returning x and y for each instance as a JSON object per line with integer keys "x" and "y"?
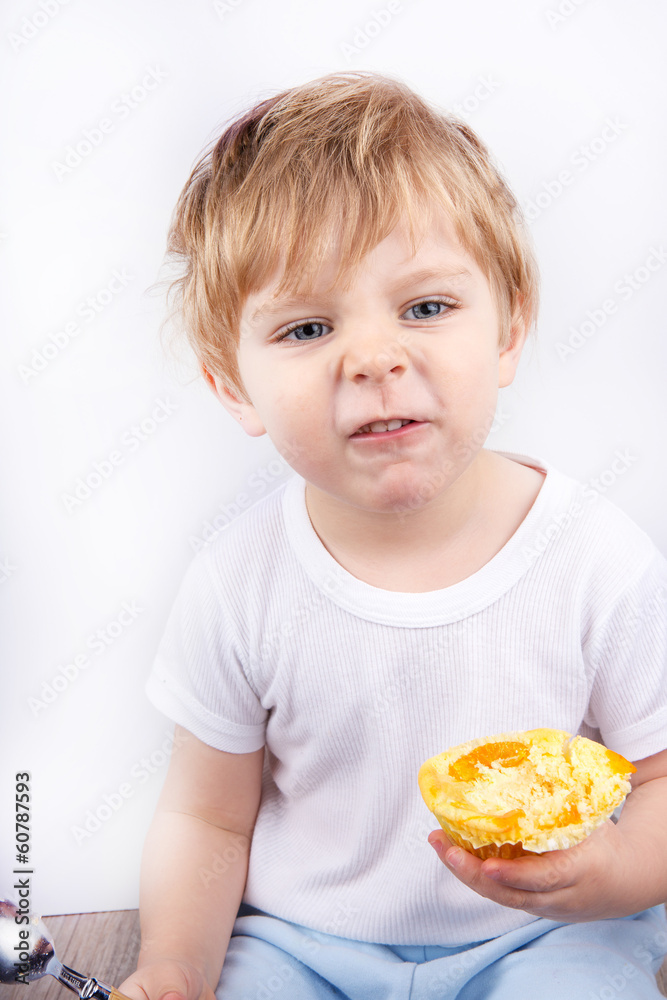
{"x": 358, "y": 286}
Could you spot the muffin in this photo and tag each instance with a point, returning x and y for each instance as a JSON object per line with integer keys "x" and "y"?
{"x": 524, "y": 792}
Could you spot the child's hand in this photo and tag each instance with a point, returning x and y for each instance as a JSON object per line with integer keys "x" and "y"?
{"x": 167, "y": 979}
{"x": 587, "y": 882}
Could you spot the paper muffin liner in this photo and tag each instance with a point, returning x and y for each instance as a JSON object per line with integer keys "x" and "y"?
{"x": 505, "y": 850}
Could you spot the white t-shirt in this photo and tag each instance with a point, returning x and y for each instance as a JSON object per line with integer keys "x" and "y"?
{"x": 351, "y": 688}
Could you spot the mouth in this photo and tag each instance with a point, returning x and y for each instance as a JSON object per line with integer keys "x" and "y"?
{"x": 378, "y": 427}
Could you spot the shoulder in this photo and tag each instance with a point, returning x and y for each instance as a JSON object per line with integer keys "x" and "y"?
{"x": 576, "y": 533}
{"x": 603, "y": 550}
{"x": 609, "y": 535}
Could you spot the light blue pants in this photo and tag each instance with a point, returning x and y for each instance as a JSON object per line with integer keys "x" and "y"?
{"x": 271, "y": 959}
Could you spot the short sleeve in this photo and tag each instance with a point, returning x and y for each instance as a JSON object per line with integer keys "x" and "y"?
{"x": 199, "y": 677}
{"x": 628, "y": 653}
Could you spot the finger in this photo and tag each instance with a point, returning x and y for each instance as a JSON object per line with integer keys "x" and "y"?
{"x": 543, "y": 873}
{"x": 439, "y": 839}
{"x": 131, "y": 990}
{"x": 133, "y": 987}
{"x": 556, "y": 904}
{"x": 473, "y": 872}
{"x": 154, "y": 983}
{"x": 554, "y": 870}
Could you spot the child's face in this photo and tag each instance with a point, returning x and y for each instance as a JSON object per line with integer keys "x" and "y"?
{"x": 394, "y": 345}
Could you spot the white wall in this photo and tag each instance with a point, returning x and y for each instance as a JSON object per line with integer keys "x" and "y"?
{"x": 538, "y": 86}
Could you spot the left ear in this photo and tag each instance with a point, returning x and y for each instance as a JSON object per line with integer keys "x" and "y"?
{"x": 509, "y": 357}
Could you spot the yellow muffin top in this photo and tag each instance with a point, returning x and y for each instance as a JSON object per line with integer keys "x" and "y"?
{"x": 543, "y": 788}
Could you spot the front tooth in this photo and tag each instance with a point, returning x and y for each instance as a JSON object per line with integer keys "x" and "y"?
{"x": 379, "y": 425}
{"x": 393, "y": 425}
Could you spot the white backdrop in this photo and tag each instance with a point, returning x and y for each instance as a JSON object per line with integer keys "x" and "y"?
{"x": 110, "y": 105}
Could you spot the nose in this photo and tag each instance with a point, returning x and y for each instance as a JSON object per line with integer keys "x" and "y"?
{"x": 373, "y": 358}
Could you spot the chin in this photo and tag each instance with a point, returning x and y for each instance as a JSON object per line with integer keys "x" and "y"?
{"x": 405, "y": 496}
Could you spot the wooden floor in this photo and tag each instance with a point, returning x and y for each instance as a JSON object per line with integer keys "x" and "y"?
{"x": 106, "y": 945}
{"x": 103, "y": 945}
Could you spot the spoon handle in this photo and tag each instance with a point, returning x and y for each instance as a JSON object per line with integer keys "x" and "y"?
{"x": 87, "y": 987}
{"x": 98, "y": 991}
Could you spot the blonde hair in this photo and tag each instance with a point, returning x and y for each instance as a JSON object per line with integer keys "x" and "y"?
{"x": 340, "y": 161}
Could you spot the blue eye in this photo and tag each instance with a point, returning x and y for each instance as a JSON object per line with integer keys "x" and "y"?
{"x": 428, "y": 308}
{"x": 303, "y": 331}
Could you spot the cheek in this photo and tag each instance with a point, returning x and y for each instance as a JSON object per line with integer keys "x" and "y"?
{"x": 466, "y": 377}
{"x": 480, "y": 369}
{"x": 300, "y": 424}
{"x": 296, "y": 408}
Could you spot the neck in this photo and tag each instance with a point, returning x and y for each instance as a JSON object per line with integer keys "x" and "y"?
{"x": 369, "y": 535}
{"x": 439, "y": 544}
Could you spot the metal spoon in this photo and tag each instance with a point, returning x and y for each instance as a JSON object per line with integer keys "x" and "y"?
{"x": 27, "y": 953}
